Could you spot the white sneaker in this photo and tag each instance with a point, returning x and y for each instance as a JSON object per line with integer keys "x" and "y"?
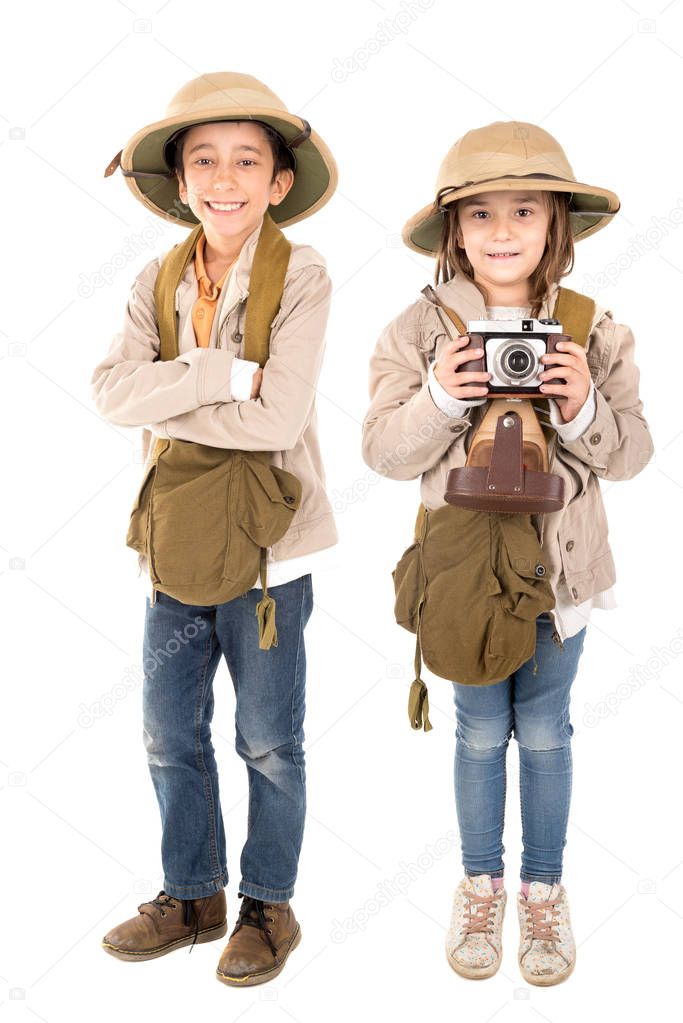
{"x": 473, "y": 943}
{"x": 547, "y": 952}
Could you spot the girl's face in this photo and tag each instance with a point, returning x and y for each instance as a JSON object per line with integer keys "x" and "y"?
{"x": 504, "y": 235}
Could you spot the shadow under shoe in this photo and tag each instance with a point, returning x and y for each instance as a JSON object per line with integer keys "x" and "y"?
{"x": 263, "y": 937}
{"x": 166, "y": 923}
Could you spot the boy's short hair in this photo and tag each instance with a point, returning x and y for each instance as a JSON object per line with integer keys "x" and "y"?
{"x": 283, "y": 158}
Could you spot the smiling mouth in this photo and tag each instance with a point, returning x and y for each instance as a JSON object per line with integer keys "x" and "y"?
{"x": 501, "y": 255}
{"x": 224, "y": 207}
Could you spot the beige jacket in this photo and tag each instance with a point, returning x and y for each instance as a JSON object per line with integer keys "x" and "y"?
{"x": 405, "y": 435}
{"x": 189, "y": 397}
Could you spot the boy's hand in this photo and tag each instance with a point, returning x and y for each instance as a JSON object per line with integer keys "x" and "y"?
{"x": 460, "y": 385}
{"x": 256, "y": 383}
{"x": 571, "y": 367}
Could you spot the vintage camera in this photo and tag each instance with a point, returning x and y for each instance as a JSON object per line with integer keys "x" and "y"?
{"x": 512, "y": 354}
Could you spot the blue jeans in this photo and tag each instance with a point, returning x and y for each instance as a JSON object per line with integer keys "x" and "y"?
{"x": 535, "y": 704}
{"x": 182, "y": 646}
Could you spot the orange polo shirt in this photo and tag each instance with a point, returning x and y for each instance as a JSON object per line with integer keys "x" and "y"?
{"x": 204, "y": 308}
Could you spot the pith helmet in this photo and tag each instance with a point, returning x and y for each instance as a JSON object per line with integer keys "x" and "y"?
{"x": 146, "y": 161}
{"x": 507, "y": 156}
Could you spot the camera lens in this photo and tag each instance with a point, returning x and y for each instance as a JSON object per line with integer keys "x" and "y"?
{"x": 516, "y": 362}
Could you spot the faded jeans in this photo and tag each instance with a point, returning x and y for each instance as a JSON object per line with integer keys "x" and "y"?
{"x": 536, "y": 708}
{"x": 182, "y": 645}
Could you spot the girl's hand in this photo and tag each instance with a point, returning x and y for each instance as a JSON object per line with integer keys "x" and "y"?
{"x": 447, "y": 373}
{"x": 573, "y": 368}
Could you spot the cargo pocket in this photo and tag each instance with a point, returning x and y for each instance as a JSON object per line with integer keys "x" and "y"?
{"x": 267, "y": 500}
{"x": 525, "y": 590}
{"x": 408, "y": 587}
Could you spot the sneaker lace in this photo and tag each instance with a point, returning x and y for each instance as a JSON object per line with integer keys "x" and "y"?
{"x": 543, "y": 921}
{"x": 479, "y": 909}
{"x": 252, "y": 914}
{"x": 163, "y": 902}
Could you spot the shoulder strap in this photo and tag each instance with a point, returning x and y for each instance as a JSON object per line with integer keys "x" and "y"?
{"x": 169, "y": 277}
{"x": 575, "y": 312}
{"x": 266, "y": 284}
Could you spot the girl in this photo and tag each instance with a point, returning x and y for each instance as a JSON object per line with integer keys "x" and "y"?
{"x": 507, "y": 212}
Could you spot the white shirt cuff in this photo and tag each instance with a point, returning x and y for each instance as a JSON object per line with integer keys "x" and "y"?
{"x": 242, "y": 378}
{"x": 453, "y": 407}
{"x": 577, "y": 426}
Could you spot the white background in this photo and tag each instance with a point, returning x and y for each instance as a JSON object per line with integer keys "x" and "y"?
{"x": 80, "y": 820}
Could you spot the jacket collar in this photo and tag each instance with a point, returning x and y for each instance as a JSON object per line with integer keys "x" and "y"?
{"x": 236, "y": 287}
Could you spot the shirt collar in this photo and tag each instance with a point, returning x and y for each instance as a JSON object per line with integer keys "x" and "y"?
{"x": 206, "y": 285}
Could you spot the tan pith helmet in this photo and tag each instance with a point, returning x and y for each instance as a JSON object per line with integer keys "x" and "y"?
{"x": 146, "y": 161}
{"x": 507, "y": 156}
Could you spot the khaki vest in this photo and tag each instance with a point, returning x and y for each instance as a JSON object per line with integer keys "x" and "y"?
{"x": 473, "y": 583}
{"x": 205, "y": 516}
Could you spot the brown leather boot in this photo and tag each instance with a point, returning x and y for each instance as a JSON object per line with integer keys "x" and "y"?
{"x": 167, "y": 923}
{"x": 263, "y": 937}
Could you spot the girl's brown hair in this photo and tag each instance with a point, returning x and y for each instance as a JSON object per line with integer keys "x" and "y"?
{"x": 555, "y": 263}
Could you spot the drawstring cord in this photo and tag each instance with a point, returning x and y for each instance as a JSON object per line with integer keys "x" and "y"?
{"x": 418, "y": 699}
{"x": 265, "y": 611}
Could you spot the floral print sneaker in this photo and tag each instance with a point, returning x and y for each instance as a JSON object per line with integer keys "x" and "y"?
{"x": 547, "y": 952}
{"x": 473, "y": 943}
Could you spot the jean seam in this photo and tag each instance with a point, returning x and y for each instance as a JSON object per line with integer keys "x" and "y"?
{"x": 199, "y": 759}
{"x": 299, "y": 767}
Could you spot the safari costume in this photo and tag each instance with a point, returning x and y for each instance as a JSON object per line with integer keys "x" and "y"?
{"x": 414, "y": 428}
{"x": 186, "y": 379}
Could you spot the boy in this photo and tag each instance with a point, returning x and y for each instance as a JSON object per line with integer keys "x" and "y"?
{"x": 230, "y": 157}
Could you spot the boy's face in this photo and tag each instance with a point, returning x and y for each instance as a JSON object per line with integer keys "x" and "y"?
{"x": 230, "y": 163}
{"x": 503, "y": 222}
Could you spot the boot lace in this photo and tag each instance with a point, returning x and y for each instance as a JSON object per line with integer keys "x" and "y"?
{"x": 163, "y": 902}
{"x": 253, "y": 914}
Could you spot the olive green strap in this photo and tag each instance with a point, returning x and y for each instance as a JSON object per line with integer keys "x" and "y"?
{"x": 170, "y": 274}
{"x": 265, "y": 610}
{"x": 266, "y": 284}
{"x": 418, "y": 699}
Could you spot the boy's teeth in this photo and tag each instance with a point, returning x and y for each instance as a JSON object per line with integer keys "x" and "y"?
{"x": 225, "y": 205}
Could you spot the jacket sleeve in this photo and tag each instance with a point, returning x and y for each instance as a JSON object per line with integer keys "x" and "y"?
{"x": 132, "y": 386}
{"x": 277, "y": 418}
{"x": 404, "y": 431}
{"x": 617, "y": 444}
